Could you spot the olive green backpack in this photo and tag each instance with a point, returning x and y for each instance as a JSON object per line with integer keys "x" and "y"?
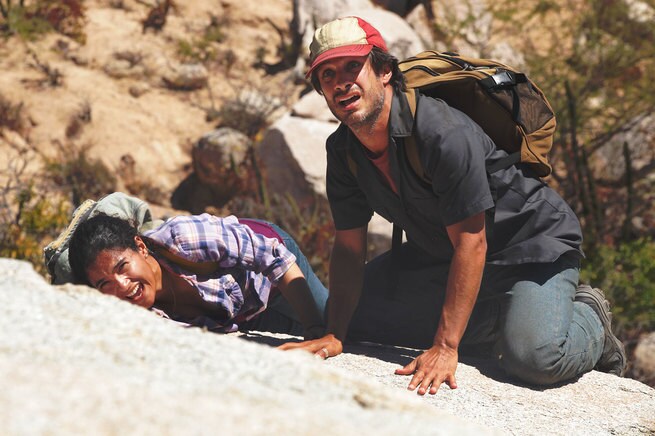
{"x": 508, "y": 106}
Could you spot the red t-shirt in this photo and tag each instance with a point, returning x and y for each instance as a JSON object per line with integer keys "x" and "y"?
{"x": 381, "y": 162}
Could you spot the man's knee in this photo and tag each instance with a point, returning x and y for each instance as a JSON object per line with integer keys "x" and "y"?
{"x": 540, "y": 365}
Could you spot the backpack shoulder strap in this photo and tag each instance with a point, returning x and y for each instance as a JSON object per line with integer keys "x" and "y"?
{"x": 351, "y": 164}
{"x": 411, "y": 149}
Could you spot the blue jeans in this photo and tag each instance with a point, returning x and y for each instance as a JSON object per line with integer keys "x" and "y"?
{"x": 279, "y": 317}
{"x": 525, "y": 315}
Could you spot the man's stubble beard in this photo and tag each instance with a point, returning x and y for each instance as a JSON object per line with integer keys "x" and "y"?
{"x": 365, "y": 122}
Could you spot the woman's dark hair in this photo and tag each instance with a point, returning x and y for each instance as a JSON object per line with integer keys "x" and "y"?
{"x": 380, "y": 59}
{"x": 99, "y": 233}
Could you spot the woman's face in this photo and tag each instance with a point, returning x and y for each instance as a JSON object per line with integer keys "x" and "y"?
{"x": 127, "y": 274}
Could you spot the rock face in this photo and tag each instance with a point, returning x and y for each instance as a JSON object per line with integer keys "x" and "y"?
{"x": 217, "y": 154}
{"x": 187, "y": 77}
{"x": 219, "y": 171}
{"x": 75, "y": 361}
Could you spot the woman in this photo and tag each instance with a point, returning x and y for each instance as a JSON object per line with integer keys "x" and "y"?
{"x": 205, "y": 271}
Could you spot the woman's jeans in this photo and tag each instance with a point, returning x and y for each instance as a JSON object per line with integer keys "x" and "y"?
{"x": 279, "y": 317}
{"x": 525, "y": 315}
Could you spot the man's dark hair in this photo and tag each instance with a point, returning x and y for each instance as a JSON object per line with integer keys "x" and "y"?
{"x": 379, "y": 60}
{"x": 102, "y": 232}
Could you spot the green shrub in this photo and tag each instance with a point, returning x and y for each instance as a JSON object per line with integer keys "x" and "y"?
{"x": 35, "y": 207}
{"x": 203, "y": 49}
{"x": 627, "y": 275}
{"x": 28, "y": 27}
{"x": 29, "y": 218}
{"x": 195, "y": 51}
{"x": 31, "y": 19}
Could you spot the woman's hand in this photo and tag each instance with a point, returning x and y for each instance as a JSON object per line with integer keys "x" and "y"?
{"x": 327, "y": 346}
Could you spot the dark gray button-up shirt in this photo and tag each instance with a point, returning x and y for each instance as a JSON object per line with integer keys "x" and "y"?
{"x": 531, "y": 222}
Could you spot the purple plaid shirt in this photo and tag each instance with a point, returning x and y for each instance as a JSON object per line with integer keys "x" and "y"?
{"x": 250, "y": 264}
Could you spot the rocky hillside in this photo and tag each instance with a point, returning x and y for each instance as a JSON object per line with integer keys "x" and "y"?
{"x": 136, "y": 94}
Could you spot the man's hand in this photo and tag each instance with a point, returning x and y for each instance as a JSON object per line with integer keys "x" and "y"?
{"x": 327, "y": 346}
{"x": 435, "y": 366}
{"x": 438, "y": 364}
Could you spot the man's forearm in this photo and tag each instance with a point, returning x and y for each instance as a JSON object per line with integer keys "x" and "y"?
{"x": 346, "y": 278}
{"x": 461, "y": 294}
{"x": 464, "y": 280}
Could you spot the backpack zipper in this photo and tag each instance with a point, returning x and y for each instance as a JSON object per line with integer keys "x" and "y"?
{"x": 431, "y": 72}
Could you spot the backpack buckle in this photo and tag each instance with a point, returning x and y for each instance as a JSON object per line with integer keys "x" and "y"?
{"x": 503, "y": 78}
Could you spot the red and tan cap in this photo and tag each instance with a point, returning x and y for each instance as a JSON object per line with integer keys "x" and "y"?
{"x": 349, "y": 36}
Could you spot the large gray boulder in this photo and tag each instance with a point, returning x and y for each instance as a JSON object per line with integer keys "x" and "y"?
{"x": 74, "y": 361}
{"x": 186, "y": 77}
{"x": 217, "y": 157}
{"x": 219, "y": 173}
{"x": 292, "y": 153}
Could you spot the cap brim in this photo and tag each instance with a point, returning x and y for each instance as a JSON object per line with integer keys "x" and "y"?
{"x": 339, "y": 52}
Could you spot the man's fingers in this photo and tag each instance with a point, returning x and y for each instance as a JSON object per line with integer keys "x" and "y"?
{"x": 291, "y": 345}
{"x": 407, "y": 369}
{"x": 325, "y": 347}
{"x": 417, "y": 379}
{"x": 425, "y": 385}
{"x": 433, "y": 389}
{"x": 451, "y": 381}
{"x": 310, "y": 346}
{"x": 429, "y": 385}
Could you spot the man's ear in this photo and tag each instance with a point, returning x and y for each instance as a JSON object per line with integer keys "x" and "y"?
{"x": 386, "y": 75}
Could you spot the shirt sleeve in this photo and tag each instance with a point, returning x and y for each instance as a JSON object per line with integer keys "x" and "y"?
{"x": 205, "y": 237}
{"x": 348, "y": 203}
{"x": 456, "y": 162}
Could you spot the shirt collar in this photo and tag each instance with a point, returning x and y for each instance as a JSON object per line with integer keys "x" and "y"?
{"x": 401, "y": 121}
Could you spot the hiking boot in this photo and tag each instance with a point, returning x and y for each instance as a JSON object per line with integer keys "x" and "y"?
{"x": 613, "y": 358}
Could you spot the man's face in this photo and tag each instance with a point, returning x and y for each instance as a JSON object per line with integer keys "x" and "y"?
{"x": 353, "y": 91}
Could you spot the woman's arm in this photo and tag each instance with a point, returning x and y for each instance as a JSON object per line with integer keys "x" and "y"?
{"x": 295, "y": 289}
{"x": 346, "y": 278}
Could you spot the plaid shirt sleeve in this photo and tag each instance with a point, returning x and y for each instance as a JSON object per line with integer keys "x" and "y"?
{"x": 201, "y": 238}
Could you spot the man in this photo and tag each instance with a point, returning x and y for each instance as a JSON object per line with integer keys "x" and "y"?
{"x": 502, "y": 267}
